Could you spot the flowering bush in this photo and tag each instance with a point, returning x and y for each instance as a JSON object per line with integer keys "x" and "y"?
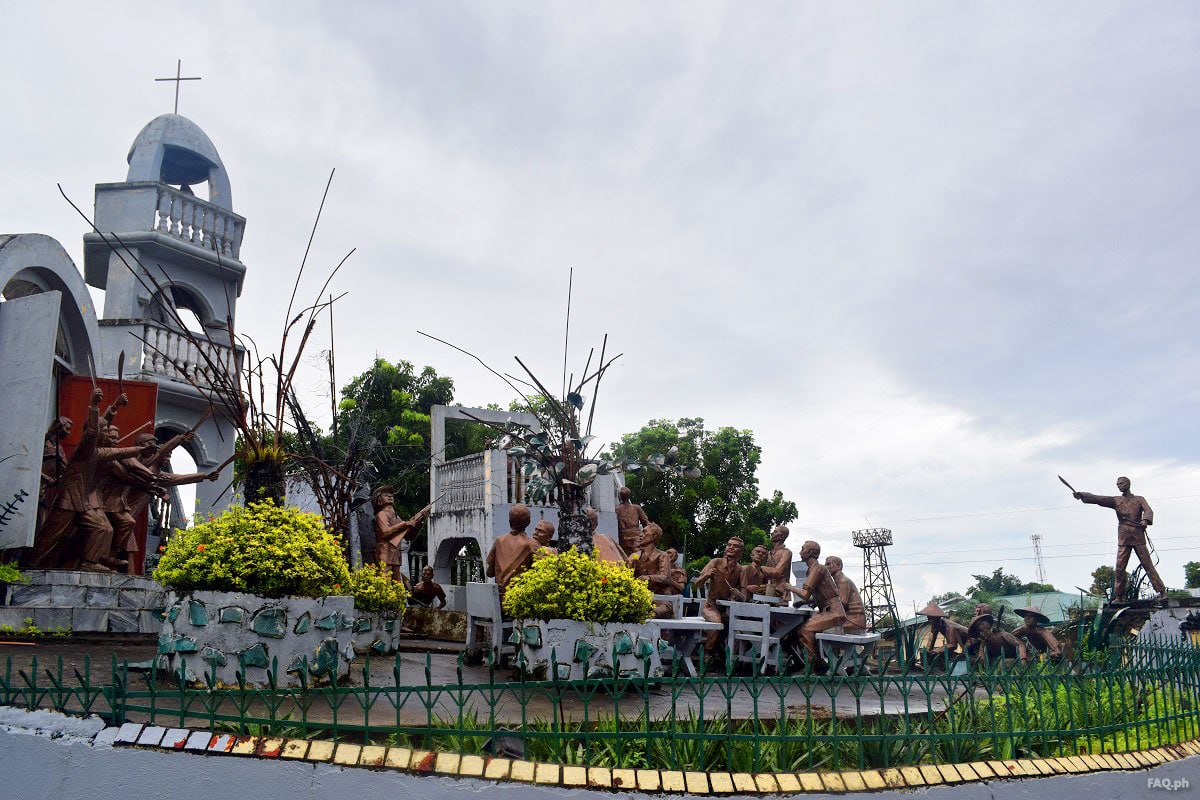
{"x": 572, "y": 585}
{"x": 374, "y": 590}
{"x": 261, "y": 549}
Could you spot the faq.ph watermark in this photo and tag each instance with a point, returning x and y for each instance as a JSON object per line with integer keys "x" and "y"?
{"x": 1167, "y": 784}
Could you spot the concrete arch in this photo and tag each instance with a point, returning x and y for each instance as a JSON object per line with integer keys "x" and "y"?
{"x": 166, "y": 428}
{"x": 173, "y": 149}
{"x": 194, "y": 300}
{"x": 41, "y": 261}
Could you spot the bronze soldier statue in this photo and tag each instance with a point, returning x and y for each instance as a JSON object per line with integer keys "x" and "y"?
{"x": 603, "y": 545}
{"x": 985, "y": 641}
{"x": 135, "y": 480}
{"x": 428, "y": 591}
{"x": 1041, "y": 639}
{"x": 778, "y": 568}
{"x": 630, "y": 521}
{"x": 75, "y": 528}
{"x": 953, "y": 633}
{"x": 393, "y": 535}
{"x": 1133, "y": 516}
{"x": 753, "y": 580}
{"x": 820, "y": 590}
{"x": 856, "y": 613}
{"x": 512, "y": 553}
{"x": 723, "y": 575}
{"x": 654, "y": 566}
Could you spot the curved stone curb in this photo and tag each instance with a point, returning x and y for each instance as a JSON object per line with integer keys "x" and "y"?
{"x": 425, "y": 762}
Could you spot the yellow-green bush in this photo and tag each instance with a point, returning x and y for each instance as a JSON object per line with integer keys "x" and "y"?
{"x": 260, "y": 549}
{"x": 374, "y": 590}
{"x": 572, "y": 585}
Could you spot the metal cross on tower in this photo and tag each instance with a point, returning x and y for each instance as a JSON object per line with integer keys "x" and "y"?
{"x": 879, "y": 600}
{"x": 177, "y": 79}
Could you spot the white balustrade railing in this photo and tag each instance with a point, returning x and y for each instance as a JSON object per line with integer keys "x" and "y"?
{"x": 168, "y": 353}
{"x": 462, "y": 483}
{"x": 197, "y": 221}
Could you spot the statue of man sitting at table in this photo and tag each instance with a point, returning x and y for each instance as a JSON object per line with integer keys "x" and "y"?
{"x": 753, "y": 580}
{"x": 821, "y": 591}
{"x": 723, "y": 576}
{"x": 654, "y": 566}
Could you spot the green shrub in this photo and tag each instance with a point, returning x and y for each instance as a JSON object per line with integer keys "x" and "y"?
{"x": 374, "y": 590}
{"x": 261, "y": 549}
{"x": 572, "y": 585}
{"x": 10, "y": 574}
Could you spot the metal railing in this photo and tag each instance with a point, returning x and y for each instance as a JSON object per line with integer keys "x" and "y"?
{"x": 1130, "y": 697}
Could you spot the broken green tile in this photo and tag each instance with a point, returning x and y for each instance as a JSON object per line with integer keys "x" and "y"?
{"x": 379, "y": 646}
{"x": 303, "y": 623}
{"x": 197, "y": 613}
{"x": 514, "y": 637}
{"x": 533, "y": 635}
{"x": 584, "y": 650}
{"x": 644, "y": 649}
{"x": 213, "y": 656}
{"x": 622, "y": 643}
{"x": 254, "y": 656}
{"x": 389, "y": 625}
{"x": 173, "y": 613}
{"x": 270, "y": 621}
{"x": 160, "y": 614}
{"x": 362, "y": 624}
{"x": 233, "y": 614}
{"x": 167, "y": 646}
{"x": 297, "y": 664}
{"x": 328, "y": 622}
{"x": 344, "y": 622}
{"x": 326, "y": 658}
{"x": 663, "y": 646}
{"x": 184, "y": 645}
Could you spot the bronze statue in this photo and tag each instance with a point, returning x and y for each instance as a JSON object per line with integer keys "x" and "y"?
{"x": 678, "y": 573}
{"x": 393, "y": 536}
{"x": 1133, "y": 516}
{"x": 753, "y": 580}
{"x": 603, "y": 545}
{"x": 427, "y": 592}
{"x": 113, "y": 478}
{"x": 778, "y": 569}
{"x": 985, "y": 641}
{"x": 54, "y": 458}
{"x": 131, "y": 482}
{"x": 512, "y": 553}
{"x": 543, "y": 533}
{"x": 820, "y": 590}
{"x": 654, "y": 566}
{"x": 630, "y": 521}
{"x": 954, "y": 633}
{"x": 1041, "y": 639}
{"x": 723, "y": 575}
{"x": 75, "y": 528}
{"x": 856, "y": 613}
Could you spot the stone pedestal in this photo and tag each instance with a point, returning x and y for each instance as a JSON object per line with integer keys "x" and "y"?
{"x": 84, "y": 602}
{"x": 581, "y": 650}
{"x": 219, "y": 634}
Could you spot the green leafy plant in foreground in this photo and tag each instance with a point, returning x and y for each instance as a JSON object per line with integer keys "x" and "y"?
{"x": 374, "y": 590}
{"x": 573, "y": 585}
{"x": 261, "y": 549}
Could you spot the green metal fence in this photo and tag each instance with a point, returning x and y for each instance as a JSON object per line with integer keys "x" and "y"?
{"x": 1127, "y": 697}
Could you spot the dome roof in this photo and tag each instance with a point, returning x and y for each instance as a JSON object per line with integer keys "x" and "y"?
{"x": 173, "y": 149}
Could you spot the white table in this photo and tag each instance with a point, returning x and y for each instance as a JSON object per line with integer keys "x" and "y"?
{"x": 784, "y": 619}
{"x": 684, "y": 635}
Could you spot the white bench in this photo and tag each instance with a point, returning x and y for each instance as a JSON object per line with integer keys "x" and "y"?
{"x": 483, "y": 608}
{"x": 846, "y": 652}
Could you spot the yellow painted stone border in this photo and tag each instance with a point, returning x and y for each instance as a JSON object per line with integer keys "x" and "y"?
{"x": 668, "y": 781}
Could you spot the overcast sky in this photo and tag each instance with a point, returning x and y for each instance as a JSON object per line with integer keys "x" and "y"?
{"x": 932, "y": 254}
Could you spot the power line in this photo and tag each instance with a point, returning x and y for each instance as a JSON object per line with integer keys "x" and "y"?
{"x": 1072, "y": 543}
{"x": 981, "y": 514}
{"x": 1027, "y": 558}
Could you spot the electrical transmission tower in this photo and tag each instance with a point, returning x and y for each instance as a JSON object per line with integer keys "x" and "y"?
{"x": 1037, "y": 555}
{"x": 878, "y": 598}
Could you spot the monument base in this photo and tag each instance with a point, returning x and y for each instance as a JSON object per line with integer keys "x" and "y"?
{"x": 60, "y": 601}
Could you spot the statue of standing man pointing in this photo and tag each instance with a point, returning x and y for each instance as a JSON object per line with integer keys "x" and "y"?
{"x": 1133, "y": 516}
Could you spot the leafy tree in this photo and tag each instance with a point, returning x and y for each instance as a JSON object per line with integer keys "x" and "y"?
{"x": 1191, "y": 575}
{"x": 998, "y": 583}
{"x": 395, "y": 401}
{"x": 698, "y": 514}
{"x": 1103, "y": 578}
